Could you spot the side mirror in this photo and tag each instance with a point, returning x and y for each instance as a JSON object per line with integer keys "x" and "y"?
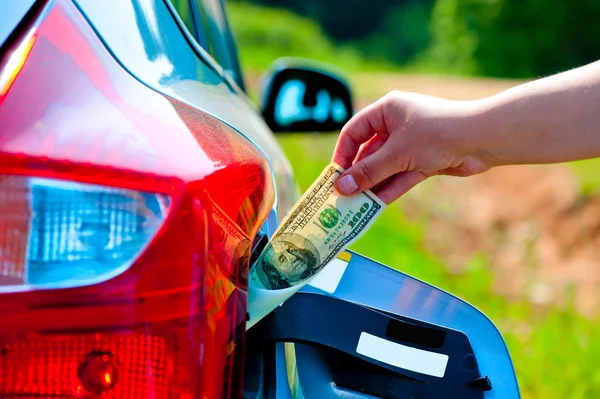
{"x": 301, "y": 97}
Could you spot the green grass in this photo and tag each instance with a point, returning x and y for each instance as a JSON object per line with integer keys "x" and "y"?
{"x": 555, "y": 353}
{"x": 588, "y": 174}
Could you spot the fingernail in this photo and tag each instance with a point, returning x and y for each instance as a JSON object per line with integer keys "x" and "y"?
{"x": 347, "y": 185}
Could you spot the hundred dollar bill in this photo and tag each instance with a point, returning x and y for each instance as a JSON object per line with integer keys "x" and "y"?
{"x": 320, "y": 226}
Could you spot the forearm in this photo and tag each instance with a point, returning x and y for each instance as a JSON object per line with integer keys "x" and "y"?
{"x": 554, "y": 119}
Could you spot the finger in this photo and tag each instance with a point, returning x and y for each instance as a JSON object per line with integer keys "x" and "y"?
{"x": 370, "y": 147}
{"x": 364, "y": 125}
{"x": 400, "y": 185}
{"x": 368, "y": 172}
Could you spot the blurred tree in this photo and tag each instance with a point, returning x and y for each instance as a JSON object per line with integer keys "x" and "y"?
{"x": 383, "y": 31}
{"x": 503, "y": 38}
{"x": 341, "y": 19}
{"x": 286, "y": 34}
{"x": 403, "y": 33}
{"x": 523, "y": 38}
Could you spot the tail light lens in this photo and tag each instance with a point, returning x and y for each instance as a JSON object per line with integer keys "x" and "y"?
{"x": 62, "y": 234}
{"x": 126, "y": 219}
{"x": 134, "y": 364}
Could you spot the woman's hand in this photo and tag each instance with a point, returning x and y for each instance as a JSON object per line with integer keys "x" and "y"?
{"x": 404, "y": 138}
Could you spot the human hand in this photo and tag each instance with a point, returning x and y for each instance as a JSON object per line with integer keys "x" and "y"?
{"x": 404, "y": 138}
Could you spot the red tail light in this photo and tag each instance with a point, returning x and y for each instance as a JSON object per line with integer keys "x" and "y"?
{"x": 126, "y": 219}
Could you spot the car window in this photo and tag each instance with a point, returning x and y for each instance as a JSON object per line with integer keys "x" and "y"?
{"x": 185, "y": 13}
{"x": 218, "y": 33}
{"x": 207, "y": 22}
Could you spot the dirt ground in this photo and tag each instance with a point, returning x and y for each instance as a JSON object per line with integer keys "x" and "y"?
{"x": 368, "y": 87}
{"x": 540, "y": 236}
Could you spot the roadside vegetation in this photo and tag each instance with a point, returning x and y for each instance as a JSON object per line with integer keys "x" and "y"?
{"x": 543, "y": 295}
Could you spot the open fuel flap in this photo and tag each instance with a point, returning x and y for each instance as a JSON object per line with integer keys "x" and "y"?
{"x": 363, "y": 330}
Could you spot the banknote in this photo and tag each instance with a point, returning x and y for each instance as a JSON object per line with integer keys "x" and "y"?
{"x": 320, "y": 226}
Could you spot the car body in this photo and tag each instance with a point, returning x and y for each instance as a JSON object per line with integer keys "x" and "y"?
{"x": 137, "y": 183}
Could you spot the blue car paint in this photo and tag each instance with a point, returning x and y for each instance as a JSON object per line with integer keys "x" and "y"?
{"x": 146, "y": 39}
{"x": 372, "y": 284}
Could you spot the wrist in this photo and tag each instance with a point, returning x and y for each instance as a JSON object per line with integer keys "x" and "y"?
{"x": 487, "y": 133}
{"x": 473, "y": 135}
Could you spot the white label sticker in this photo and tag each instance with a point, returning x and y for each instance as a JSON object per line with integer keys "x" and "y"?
{"x": 330, "y": 276}
{"x": 402, "y": 356}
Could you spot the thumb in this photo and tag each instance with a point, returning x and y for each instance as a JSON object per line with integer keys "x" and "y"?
{"x": 368, "y": 172}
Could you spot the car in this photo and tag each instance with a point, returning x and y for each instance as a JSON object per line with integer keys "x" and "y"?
{"x": 138, "y": 183}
